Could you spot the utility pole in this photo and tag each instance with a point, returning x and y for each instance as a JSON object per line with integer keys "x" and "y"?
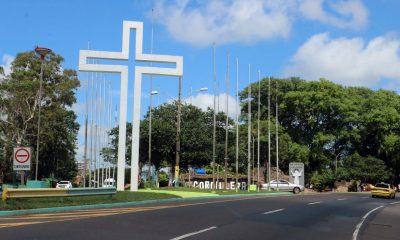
{"x": 226, "y": 124}
{"x": 276, "y": 129}
{"x": 178, "y": 135}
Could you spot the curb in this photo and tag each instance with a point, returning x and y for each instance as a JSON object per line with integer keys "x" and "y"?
{"x": 124, "y": 204}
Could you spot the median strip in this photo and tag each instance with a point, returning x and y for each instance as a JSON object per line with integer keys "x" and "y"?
{"x": 274, "y": 211}
{"x": 194, "y": 233}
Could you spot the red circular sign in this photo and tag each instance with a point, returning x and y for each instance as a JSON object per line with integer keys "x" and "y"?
{"x": 22, "y": 155}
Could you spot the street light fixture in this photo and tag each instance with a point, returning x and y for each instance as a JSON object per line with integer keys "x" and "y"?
{"x": 203, "y": 89}
{"x": 42, "y": 52}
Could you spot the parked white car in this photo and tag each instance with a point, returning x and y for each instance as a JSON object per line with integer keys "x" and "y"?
{"x": 283, "y": 185}
{"x": 64, "y": 184}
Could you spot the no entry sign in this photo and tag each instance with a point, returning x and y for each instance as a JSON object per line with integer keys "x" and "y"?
{"x": 22, "y": 158}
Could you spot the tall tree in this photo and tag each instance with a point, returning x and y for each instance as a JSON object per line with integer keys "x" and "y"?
{"x": 19, "y": 103}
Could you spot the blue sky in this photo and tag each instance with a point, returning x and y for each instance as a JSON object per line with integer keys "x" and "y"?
{"x": 351, "y": 42}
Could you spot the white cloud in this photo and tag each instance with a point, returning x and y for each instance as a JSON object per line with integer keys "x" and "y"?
{"x": 200, "y": 23}
{"x": 348, "y": 61}
{"x": 350, "y": 14}
{"x": 6, "y": 63}
{"x": 204, "y": 101}
{"x": 227, "y": 21}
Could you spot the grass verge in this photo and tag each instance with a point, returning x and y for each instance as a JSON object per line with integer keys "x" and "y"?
{"x": 126, "y": 196}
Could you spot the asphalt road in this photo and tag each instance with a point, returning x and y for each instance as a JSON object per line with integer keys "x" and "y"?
{"x": 319, "y": 216}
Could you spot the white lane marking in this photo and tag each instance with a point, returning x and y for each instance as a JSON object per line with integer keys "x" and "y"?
{"x": 194, "y": 233}
{"x": 365, "y": 197}
{"x": 342, "y": 199}
{"x": 274, "y": 211}
{"x": 358, "y": 227}
{"x": 394, "y": 203}
{"x": 312, "y": 203}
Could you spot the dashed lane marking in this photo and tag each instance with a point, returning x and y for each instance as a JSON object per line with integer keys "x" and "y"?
{"x": 313, "y": 203}
{"x": 194, "y": 233}
{"x": 274, "y": 211}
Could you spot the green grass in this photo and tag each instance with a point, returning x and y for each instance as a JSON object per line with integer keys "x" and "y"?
{"x": 126, "y": 196}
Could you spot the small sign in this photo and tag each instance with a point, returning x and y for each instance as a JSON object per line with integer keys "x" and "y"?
{"x": 296, "y": 173}
{"x": 22, "y": 159}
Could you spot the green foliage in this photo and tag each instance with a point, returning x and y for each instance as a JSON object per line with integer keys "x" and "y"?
{"x": 366, "y": 169}
{"x": 322, "y": 179}
{"x": 19, "y": 103}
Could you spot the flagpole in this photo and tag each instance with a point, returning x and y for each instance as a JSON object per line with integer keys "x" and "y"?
{"x": 258, "y": 132}
{"x": 226, "y": 123}
{"x": 249, "y": 133}
{"x": 237, "y": 124}
{"x": 269, "y": 133}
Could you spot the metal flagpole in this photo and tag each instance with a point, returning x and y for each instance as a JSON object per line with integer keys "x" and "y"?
{"x": 86, "y": 129}
{"x": 258, "y": 132}
{"x": 237, "y": 124}
{"x": 269, "y": 133}
{"x": 249, "y": 134}
{"x": 95, "y": 135}
{"x": 99, "y": 135}
{"x": 91, "y": 133}
{"x": 226, "y": 124}
{"x": 149, "y": 164}
{"x": 276, "y": 129}
{"x": 214, "y": 122}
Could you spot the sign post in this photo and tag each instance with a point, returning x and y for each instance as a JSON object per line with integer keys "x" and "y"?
{"x": 22, "y": 159}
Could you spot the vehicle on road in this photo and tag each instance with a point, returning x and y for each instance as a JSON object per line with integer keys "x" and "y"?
{"x": 283, "y": 185}
{"x": 385, "y": 190}
{"x": 64, "y": 184}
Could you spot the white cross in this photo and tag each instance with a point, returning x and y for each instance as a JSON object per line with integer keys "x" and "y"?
{"x": 123, "y": 70}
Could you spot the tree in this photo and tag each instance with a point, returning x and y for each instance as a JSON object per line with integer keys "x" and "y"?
{"x": 19, "y": 102}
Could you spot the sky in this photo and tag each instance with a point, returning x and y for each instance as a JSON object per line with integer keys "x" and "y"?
{"x": 349, "y": 42}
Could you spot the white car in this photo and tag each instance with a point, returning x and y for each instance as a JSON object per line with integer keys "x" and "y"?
{"x": 283, "y": 185}
{"x": 64, "y": 184}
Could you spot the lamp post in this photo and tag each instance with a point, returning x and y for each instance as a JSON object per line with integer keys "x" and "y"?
{"x": 42, "y": 52}
{"x": 178, "y": 135}
{"x": 150, "y": 114}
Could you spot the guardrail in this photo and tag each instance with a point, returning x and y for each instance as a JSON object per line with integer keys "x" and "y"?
{"x": 9, "y": 193}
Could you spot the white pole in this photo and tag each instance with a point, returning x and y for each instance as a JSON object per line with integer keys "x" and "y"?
{"x": 214, "y": 122}
{"x": 237, "y": 124}
{"x": 91, "y": 135}
{"x": 226, "y": 124}
{"x": 95, "y": 134}
{"x": 276, "y": 129}
{"x": 249, "y": 134}
{"x": 149, "y": 164}
{"x": 258, "y": 132}
{"x": 269, "y": 133}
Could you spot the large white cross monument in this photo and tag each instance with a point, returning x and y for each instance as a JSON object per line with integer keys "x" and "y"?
{"x": 84, "y": 66}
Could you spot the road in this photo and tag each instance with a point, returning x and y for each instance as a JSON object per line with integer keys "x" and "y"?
{"x": 304, "y": 216}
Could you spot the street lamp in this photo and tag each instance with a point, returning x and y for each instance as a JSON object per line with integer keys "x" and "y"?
{"x": 203, "y": 89}
{"x": 150, "y": 114}
{"x": 42, "y": 52}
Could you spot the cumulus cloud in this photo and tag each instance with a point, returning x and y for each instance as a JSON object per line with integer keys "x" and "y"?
{"x": 348, "y": 61}
{"x": 350, "y": 14}
{"x": 201, "y": 23}
{"x": 6, "y": 63}
{"x": 205, "y": 100}
{"x": 229, "y": 21}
